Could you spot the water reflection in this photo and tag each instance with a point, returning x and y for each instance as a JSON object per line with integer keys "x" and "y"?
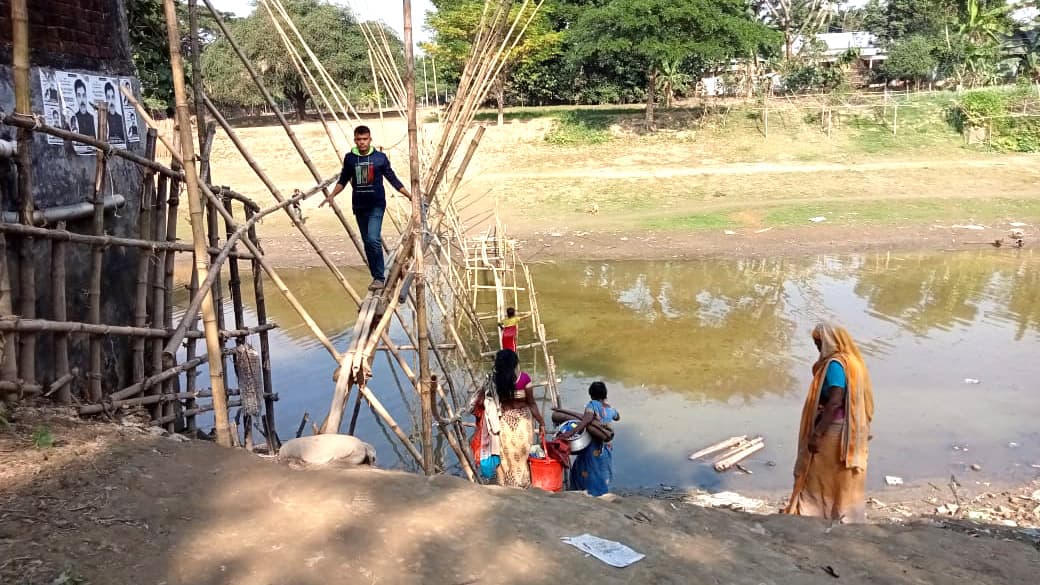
{"x": 698, "y": 351}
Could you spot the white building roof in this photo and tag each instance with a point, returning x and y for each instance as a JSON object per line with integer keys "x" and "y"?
{"x": 838, "y": 43}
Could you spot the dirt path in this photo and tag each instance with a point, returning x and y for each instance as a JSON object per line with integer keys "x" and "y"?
{"x": 664, "y": 172}
{"x": 111, "y": 505}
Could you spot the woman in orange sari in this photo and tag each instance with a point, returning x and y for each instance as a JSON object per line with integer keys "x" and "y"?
{"x": 831, "y": 470}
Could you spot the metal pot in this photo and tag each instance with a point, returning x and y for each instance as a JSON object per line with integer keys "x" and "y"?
{"x": 578, "y": 441}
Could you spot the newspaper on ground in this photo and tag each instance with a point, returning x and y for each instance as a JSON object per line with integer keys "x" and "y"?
{"x": 612, "y": 553}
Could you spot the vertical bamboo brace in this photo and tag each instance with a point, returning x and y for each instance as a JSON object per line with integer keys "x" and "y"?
{"x": 97, "y": 255}
{"x": 59, "y": 312}
{"x": 418, "y": 224}
{"x": 144, "y": 265}
{"x": 189, "y": 355}
{"x": 220, "y": 413}
{"x": 235, "y": 289}
{"x": 213, "y": 229}
{"x": 160, "y": 295}
{"x": 9, "y": 363}
{"x": 27, "y": 309}
{"x": 260, "y": 306}
{"x": 171, "y": 194}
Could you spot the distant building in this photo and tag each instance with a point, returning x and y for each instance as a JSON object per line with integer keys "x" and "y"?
{"x": 833, "y": 46}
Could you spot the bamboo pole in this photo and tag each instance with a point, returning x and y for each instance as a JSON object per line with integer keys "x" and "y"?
{"x": 144, "y": 263}
{"x": 9, "y": 362}
{"x": 59, "y": 311}
{"x": 715, "y": 448}
{"x": 102, "y": 241}
{"x": 116, "y": 399}
{"x": 162, "y": 302}
{"x": 189, "y": 356}
{"x": 197, "y": 227}
{"x": 94, "y": 393}
{"x": 18, "y": 121}
{"x": 27, "y": 307}
{"x": 418, "y": 224}
{"x": 739, "y": 456}
{"x": 260, "y": 307}
{"x": 23, "y": 106}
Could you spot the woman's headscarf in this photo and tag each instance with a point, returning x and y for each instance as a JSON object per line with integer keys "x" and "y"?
{"x": 837, "y": 345}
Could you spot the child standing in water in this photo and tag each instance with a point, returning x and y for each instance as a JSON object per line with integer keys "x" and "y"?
{"x": 509, "y": 326}
{"x": 593, "y": 469}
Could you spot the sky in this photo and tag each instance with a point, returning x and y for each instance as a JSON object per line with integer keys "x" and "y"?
{"x": 388, "y": 11}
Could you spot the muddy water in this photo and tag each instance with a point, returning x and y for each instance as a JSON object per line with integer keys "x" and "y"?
{"x": 694, "y": 352}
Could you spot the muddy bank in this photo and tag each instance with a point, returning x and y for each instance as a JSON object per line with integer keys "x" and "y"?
{"x": 106, "y": 504}
{"x": 287, "y": 249}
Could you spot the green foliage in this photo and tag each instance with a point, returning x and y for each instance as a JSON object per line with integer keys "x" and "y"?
{"x": 579, "y": 128}
{"x": 330, "y": 31}
{"x": 911, "y": 59}
{"x": 43, "y": 438}
{"x": 807, "y": 76}
{"x": 990, "y": 108}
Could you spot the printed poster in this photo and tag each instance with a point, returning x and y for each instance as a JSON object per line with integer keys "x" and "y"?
{"x": 53, "y": 104}
{"x": 130, "y": 126}
{"x": 70, "y": 102}
{"x": 77, "y": 92}
{"x": 106, "y": 90}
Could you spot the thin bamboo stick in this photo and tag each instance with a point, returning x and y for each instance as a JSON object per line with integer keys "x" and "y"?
{"x": 739, "y": 456}
{"x": 162, "y": 287}
{"x": 27, "y": 307}
{"x": 198, "y": 233}
{"x": 726, "y": 444}
{"x": 14, "y": 323}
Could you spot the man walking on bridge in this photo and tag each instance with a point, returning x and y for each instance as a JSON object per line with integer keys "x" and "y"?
{"x": 364, "y": 168}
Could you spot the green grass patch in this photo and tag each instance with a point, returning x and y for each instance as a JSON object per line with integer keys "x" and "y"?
{"x": 579, "y": 128}
{"x": 43, "y": 438}
{"x": 900, "y": 211}
{"x": 693, "y": 222}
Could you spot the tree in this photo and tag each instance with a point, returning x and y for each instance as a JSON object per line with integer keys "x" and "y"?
{"x": 330, "y": 31}
{"x": 454, "y": 26}
{"x": 654, "y": 32}
{"x": 795, "y": 18}
{"x": 150, "y": 49}
{"x": 911, "y": 59}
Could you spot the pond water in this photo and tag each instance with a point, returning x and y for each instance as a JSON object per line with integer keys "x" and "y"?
{"x": 696, "y": 351}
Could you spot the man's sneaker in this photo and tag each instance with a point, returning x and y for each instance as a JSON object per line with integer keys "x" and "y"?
{"x": 377, "y": 284}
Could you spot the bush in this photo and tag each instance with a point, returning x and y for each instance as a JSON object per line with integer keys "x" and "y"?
{"x": 989, "y": 108}
{"x": 572, "y": 128}
{"x": 812, "y": 77}
{"x": 911, "y": 59}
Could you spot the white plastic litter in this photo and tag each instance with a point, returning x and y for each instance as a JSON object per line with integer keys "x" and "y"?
{"x": 972, "y": 381}
{"x": 893, "y": 480}
{"x": 817, "y": 219}
{"x": 612, "y": 553}
{"x": 969, "y": 227}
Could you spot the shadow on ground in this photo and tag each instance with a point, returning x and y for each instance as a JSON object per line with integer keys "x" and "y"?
{"x": 116, "y": 505}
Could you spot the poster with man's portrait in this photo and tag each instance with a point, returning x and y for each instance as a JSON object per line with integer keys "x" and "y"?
{"x": 106, "y": 89}
{"x": 77, "y": 91}
{"x": 52, "y": 104}
{"x": 133, "y": 133}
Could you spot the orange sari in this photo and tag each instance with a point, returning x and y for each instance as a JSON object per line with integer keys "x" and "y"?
{"x": 831, "y": 483}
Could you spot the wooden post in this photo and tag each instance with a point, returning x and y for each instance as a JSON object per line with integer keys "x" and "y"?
{"x": 189, "y": 357}
{"x": 94, "y": 393}
{"x": 162, "y": 281}
{"x": 895, "y": 118}
{"x": 187, "y": 153}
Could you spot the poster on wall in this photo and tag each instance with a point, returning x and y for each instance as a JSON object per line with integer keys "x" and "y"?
{"x": 106, "y": 90}
{"x": 53, "y": 110}
{"x": 77, "y": 91}
{"x": 133, "y": 134}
